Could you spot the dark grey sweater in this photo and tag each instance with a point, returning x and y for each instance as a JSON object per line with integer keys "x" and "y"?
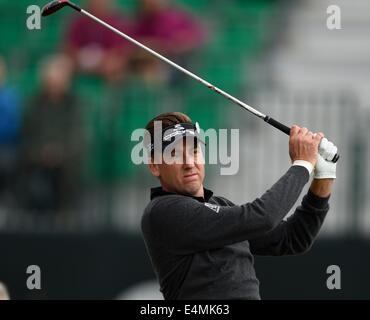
{"x": 202, "y": 248}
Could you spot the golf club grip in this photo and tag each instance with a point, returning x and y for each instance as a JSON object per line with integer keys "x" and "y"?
{"x": 277, "y": 125}
{"x": 286, "y": 130}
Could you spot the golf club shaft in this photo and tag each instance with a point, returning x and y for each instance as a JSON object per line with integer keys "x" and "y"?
{"x": 187, "y": 72}
{"x": 242, "y": 104}
{"x": 245, "y": 106}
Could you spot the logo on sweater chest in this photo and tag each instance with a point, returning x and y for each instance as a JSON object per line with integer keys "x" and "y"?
{"x": 213, "y": 207}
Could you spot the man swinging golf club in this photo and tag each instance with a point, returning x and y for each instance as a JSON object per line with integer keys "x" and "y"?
{"x": 202, "y": 246}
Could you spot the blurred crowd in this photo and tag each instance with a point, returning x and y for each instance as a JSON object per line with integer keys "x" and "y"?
{"x": 43, "y": 137}
{"x": 157, "y": 23}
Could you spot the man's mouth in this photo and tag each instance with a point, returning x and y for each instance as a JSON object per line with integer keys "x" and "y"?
{"x": 190, "y": 177}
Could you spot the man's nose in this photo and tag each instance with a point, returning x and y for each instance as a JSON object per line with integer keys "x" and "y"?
{"x": 189, "y": 159}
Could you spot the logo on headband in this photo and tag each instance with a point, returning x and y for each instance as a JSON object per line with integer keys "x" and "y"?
{"x": 179, "y": 129}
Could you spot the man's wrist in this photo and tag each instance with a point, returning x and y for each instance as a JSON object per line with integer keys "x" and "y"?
{"x": 322, "y": 187}
{"x": 303, "y": 163}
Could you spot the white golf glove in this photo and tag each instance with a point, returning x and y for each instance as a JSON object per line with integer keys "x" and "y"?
{"x": 327, "y": 149}
{"x": 324, "y": 169}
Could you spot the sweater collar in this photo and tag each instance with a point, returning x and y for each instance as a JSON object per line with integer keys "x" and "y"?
{"x": 158, "y": 191}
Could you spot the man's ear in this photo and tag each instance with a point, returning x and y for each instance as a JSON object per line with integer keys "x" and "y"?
{"x": 154, "y": 169}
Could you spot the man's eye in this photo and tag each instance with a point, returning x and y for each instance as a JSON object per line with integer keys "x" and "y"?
{"x": 176, "y": 155}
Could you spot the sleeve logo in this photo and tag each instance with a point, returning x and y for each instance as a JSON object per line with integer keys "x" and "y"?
{"x": 213, "y": 207}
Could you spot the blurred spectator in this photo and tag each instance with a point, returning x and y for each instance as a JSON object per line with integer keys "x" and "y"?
{"x": 95, "y": 49}
{"x": 9, "y": 130}
{"x": 169, "y": 30}
{"x": 53, "y": 140}
{"x": 4, "y": 295}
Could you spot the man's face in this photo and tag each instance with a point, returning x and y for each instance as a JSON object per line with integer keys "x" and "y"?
{"x": 182, "y": 178}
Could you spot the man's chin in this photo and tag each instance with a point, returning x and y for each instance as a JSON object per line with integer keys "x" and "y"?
{"x": 192, "y": 188}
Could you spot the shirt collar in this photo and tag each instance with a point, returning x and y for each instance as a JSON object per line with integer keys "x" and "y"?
{"x": 158, "y": 191}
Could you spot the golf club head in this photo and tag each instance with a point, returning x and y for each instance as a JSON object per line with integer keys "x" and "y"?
{"x": 56, "y": 5}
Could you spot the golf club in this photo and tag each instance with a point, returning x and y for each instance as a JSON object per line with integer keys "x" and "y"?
{"x": 56, "y": 5}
